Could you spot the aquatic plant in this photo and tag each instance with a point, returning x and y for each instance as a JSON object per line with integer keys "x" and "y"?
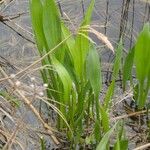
{"x": 74, "y": 76}
{"x": 139, "y": 56}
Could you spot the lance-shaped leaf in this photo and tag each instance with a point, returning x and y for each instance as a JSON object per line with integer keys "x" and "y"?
{"x": 103, "y": 143}
{"x": 127, "y": 69}
{"x": 105, "y": 119}
{"x": 142, "y": 53}
{"x": 82, "y": 44}
{"x": 36, "y": 10}
{"x": 116, "y": 68}
{"x": 142, "y": 62}
{"x": 65, "y": 79}
{"x": 93, "y": 70}
{"x": 52, "y": 27}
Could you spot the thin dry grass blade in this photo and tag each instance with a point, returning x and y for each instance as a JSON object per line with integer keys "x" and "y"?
{"x": 28, "y": 103}
{"x": 145, "y": 1}
{"x": 100, "y": 36}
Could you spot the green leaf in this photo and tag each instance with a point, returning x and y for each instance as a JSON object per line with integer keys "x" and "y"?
{"x": 82, "y": 44}
{"x": 93, "y": 70}
{"x": 103, "y": 143}
{"x": 142, "y": 62}
{"x": 70, "y": 53}
{"x": 52, "y": 27}
{"x": 88, "y": 14}
{"x": 70, "y": 42}
{"x": 136, "y": 92}
{"x": 142, "y": 53}
{"x": 105, "y": 119}
{"x": 65, "y": 79}
{"x": 127, "y": 69}
{"x": 109, "y": 94}
{"x": 36, "y": 10}
{"x": 116, "y": 68}
{"x": 122, "y": 142}
{"x": 121, "y": 145}
{"x": 97, "y": 130}
{"x": 93, "y": 73}
{"x": 43, "y": 143}
{"x": 117, "y": 62}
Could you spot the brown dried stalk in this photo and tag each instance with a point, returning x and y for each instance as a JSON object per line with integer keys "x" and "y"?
{"x": 28, "y": 103}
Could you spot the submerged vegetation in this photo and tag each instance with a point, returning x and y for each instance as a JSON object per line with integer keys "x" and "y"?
{"x": 72, "y": 75}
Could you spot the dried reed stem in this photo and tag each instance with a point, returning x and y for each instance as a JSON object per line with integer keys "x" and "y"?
{"x": 28, "y": 103}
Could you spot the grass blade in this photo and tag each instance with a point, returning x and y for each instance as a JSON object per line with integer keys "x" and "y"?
{"x": 103, "y": 143}
{"x": 122, "y": 142}
{"x": 43, "y": 143}
{"x": 105, "y": 119}
{"x": 116, "y": 68}
{"x": 117, "y": 62}
{"x": 127, "y": 69}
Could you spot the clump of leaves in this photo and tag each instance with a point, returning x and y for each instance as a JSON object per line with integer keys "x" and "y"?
{"x": 139, "y": 55}
{"x": 75, "y": 80}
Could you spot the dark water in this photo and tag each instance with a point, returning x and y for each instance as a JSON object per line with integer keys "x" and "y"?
{"x": 106, "y": 13}
{"x": 11, "y": 42}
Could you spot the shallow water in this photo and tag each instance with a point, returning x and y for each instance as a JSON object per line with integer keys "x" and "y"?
{"x": 13, "y": 46}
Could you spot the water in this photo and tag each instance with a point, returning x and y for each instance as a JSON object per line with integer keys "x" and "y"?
{"x": 11, "y": 42}
{"x": 21, "y": 51}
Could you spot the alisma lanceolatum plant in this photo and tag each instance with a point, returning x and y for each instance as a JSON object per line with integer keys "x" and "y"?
{"x": 73, "y": 72}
